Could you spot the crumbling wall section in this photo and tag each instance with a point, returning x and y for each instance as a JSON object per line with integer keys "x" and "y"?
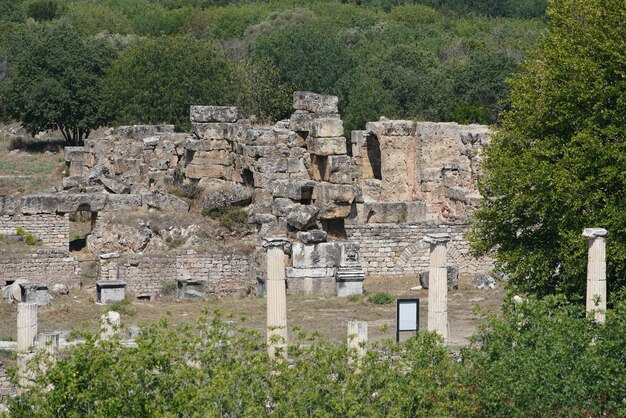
{"x": 52, "y": 229}
{"x": 397, "y": 249}
{"x": 148, "y": 275}
{"x": 45, "y": 265}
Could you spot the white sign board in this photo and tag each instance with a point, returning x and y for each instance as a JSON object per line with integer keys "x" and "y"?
{"x": 407, "y": 315}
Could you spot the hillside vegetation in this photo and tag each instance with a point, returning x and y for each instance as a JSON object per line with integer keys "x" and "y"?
{"x": 74, "y": 65}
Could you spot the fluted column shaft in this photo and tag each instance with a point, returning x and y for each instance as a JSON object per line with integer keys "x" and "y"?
{"x": 596, "y": 273}
{"x": 276, "y": 298}
{"x": 357, "y": 336}
{"x": 438, "y": 284}
{"x": 26, "y": 326}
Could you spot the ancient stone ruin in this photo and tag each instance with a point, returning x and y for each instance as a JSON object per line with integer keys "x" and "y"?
{"x": 350, "y": 205}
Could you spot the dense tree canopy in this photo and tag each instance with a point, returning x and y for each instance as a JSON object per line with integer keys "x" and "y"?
{"x": 426, "y": 59}
{"x": 55, "y": 80}
{"x": 155, "y": 81}
{"x": 559, "y": 163}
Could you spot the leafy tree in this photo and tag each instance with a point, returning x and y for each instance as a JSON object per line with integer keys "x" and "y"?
{"x": 42, "y": 10}
{"x": 11, "y": 11}
{"x": 557, "y": 166}
{"x": 55, "y": 80}
{"x": 93, "y": 18}
{"x": 544, "y": 358}
{"x": 157, "y": 80}
{"x": 306, "y": 58}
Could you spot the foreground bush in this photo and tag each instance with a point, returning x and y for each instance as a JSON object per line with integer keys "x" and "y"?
{"x": 547, "y": 359}
{"x": 539, "y": 359}
{"x": 214, "y": 369}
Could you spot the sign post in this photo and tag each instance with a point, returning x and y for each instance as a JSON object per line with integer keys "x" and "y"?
{"x": 408, "y": 316}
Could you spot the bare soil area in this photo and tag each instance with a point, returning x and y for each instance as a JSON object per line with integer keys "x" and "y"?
{"x": 326, "y": 315}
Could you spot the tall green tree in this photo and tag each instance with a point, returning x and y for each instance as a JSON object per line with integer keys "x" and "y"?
{"x": 55, "y": 80}
{"x": 157, "y": 80}
{"x": 558, "y": 164}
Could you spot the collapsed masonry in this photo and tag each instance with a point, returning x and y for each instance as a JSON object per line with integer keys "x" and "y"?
{"x": 351, "y": 207}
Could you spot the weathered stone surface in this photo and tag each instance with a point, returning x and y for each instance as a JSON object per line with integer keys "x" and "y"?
{"x": 326, "y": 127}
{"x": 282, "y": 206}
{"x": 165, "y": 201}
{"x": 312, "y": 237}
{"x": 114, "y": 186}
{"x": 453, "y": 278}
{"x": 300, "y": 120}
{"x": 302, "y": 217}
{"x": 313, "y": 102}
{"x": 74, "y": 154}
{"x": 35, "y": 293}
{"x": 292, "y": 189}
{"x": 115, "y": 202}
{"x": 394, "y": 212}
{"x": 338, "y": 169}
{"x": 391, "y": 127}
{"x": 40, "y": 203}
{"x": 213, "y": 130}
{"x": 75, "y": 202}
{"x": 328, "y": 192}
{"x": 333, "y": 210}
{"x": 291, "y": 272}
{"x": 483, "y": 281}
{"x": 229, "y": 194}
{"x": 327, "y": 146}
{"x": 140, "y": 131}
{"x": 59, "y": 289}
{"x": 326, "y": 254}
{"x": 119, "y": 238}
{"x": 203, "y": 114}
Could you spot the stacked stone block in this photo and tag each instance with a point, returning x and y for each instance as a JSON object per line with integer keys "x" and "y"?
{"x": 48, "y": 266}
{"x": 52, "y": 229}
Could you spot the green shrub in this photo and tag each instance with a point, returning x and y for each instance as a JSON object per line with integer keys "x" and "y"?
{"x": 20, "y": 232}
{"x": 30, "y": 239}
{"x": 545, "y": 358}
{"x": 229, "y": 216}
{"x": 216, "y": 369}
{"x": 2, "y": 237}
{"x": 122, "y": 307}
{"x": 355, "y": 298}
{"x": 381, "y": 298}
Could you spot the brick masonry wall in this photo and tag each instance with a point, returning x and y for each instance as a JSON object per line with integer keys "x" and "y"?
{"x": 45, "y": 265}
{"x": 53, "y": 230}
{"x": 395, "y": 249}
{"x": 151, "y": 275}
{"x": 225, "y": 273}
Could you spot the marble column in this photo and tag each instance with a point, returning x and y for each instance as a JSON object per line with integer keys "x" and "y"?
{"x": 596, "y": 273}
{"x": 357, "y": 336}
{"x": 26, "y": 339}
{"x": 110, "y": 323}
{"x": 438, "y": 284}
{"x": 276, "y": 296}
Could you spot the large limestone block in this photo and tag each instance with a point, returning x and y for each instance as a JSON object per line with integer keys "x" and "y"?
{"x": 395, "y": 212}
{"x": 325, "y": 254}
{"x": 328, "y": 192}
{"x": 282, "y": 206}
{"x": 391, "y": 128}
{"x": 73, "y": 202}
{"x": 205, "y": 114}
{"x": 300, "y": 121}
{"x": 316, "y": 103}
{"x": 314, "y": 236}
{"x": 116, "y": 202}
{"x": 338, "y": 169}
{"x": 333, "y": 210}
{"x": 327, "y": 146}
{"x": 217, "y": 157}
{"x": 114, "y": 186}
{"x": 74, "y": 154}
{"x": 213, "y": 130}
{"x": 327, "y": 128}
{"x": 302, "y": 216}
{"x": 292, "y": 189}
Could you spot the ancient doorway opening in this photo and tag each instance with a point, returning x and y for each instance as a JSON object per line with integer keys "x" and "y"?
{"x": 374, "y": 157}
{"x": 82, "y": 223}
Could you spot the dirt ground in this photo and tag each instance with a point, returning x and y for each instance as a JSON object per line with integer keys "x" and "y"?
{"x": 312, "y": 313}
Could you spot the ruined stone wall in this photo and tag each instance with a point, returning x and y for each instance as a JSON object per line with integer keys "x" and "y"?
{"x": 435, "y": 163}
{"x": 52, "y": 229}
{"x": 147, "y": 276}
{"x": 396, "y": 249}
{"x": 45, "y": 265}
{"x": 223, "y": 273}
{"x": 151, "y": 275}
